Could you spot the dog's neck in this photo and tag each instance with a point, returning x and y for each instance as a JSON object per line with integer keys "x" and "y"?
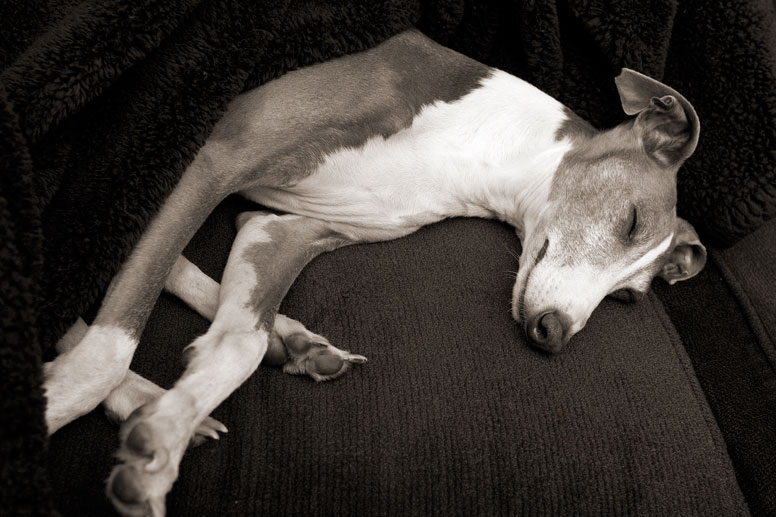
{"x": 510, "y": 138}
{"x": 515, "y": 191}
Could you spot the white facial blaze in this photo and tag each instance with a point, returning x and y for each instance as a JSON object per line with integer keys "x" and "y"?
{"x": 577, "y": 290}
{"x": 647, "y": 258}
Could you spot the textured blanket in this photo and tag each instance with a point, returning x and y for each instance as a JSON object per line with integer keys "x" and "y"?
{"x": 103, "y": 103}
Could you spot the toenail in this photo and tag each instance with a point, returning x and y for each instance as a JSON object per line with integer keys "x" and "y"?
{"x": 126, "y": 488}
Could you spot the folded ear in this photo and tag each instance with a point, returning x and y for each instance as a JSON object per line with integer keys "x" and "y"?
{"x": 687, "y": 257}
{"x": 665, "y": 120}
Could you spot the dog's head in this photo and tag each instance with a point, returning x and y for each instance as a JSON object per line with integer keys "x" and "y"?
{"x": 610, "y": 225}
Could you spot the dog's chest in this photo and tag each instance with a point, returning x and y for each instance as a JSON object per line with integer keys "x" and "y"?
{"x": 344, "y": 136}
{"x": 395, "y": 137}
{"x": 395, "y": 182}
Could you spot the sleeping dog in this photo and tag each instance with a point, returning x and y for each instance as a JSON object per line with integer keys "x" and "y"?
{"x": 366, "y": 148}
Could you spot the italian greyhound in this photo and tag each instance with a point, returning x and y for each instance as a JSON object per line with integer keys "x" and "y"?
{"x": 365, "y": 148}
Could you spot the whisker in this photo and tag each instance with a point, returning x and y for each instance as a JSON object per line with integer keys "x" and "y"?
{"x": 515, "y": 255}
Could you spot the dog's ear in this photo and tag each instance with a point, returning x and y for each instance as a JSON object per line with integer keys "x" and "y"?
{"x": 687, "y": 257}
{"x": 665, "y": 121}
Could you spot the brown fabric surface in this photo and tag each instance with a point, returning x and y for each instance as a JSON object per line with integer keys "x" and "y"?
{"x": 453, "y": 414}
{"x": 719, "y": 317}
{"x": 750, "y": 269}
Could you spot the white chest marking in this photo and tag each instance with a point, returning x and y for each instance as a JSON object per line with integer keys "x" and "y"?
{"x": 491, "y": 153}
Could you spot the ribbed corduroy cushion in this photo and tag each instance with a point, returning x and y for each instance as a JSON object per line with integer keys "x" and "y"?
{"x": 453, "y": 414}
{"x": 750, "y": 268}
{"x": 732, "y": 345}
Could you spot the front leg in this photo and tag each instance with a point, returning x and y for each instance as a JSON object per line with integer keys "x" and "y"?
{"x": 307, "y": 353}
{"x": 134, "y": 391}
{"x": 291, "y": 344}
{"x": 267, "y": 255}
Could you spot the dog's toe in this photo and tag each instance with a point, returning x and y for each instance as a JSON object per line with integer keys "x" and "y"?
{"x": 140, "y": 440}
{"x": 153, "y": 441}
{"x": 324, "y": 362}
{"x": 126, "y": 492}
{"x": 145, "y": 444}
{"x": 125, "y": 486}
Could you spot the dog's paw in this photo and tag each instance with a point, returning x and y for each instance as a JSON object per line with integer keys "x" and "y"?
{"x": 313, "y": 355}
{"x": 302, "y": 352}
{"x": 136, "y": 391}
{"x": 153, "y": 441}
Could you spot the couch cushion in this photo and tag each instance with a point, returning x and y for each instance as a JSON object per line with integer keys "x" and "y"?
{"x": 727, "y": 320}
{"x": 453, "y": 414}
{"x": 750, "y": 269}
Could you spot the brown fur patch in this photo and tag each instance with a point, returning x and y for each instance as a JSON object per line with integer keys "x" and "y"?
{"x": 575, "y": 127}
{"x": 294, "y": 242}
{"x": 136, "y": 287}
{"x": 279, "y": 133}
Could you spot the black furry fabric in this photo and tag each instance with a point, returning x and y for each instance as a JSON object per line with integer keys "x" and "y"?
{"x": 23, "y": 484}
{"x": 105, "y": 102}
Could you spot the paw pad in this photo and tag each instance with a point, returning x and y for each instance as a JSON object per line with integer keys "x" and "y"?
{"x": 304, "y": 353}
{"x": 125, "y": 487}
{"x": 139, "y": 440}
{"x": 326, "y": 363}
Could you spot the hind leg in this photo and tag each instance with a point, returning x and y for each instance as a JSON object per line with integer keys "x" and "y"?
{"x": 266, "y": 257}
{"x": 77, "y": 380}
{"x": 291, "y": 344}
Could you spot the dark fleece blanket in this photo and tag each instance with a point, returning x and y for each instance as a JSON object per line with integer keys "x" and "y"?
{"x": 103, "y": 103}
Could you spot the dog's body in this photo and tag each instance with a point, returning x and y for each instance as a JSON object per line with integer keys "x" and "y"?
{"x": 371, "y": 147}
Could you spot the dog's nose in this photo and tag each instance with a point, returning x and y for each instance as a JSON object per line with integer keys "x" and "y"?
{"x": 547, "y": 329}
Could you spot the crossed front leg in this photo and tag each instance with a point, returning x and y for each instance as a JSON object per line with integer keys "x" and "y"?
{"x": 291, "y": 344}
{"x": 267, "y": 255}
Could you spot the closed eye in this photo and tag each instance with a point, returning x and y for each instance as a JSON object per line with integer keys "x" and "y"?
{"x": 633, "y": 224}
